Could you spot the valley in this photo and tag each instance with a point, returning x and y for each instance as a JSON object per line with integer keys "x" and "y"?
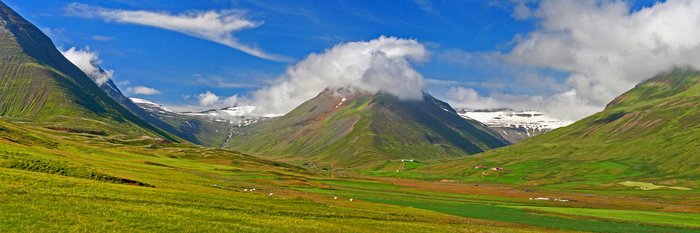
{"x": 194, "y": 188}
{"x": 78, "y": 155}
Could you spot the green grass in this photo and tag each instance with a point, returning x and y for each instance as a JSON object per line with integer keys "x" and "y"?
{"x": 49, "y": 189}
{"x": 201, "y": 189}
{"x": 662, "y": 218}
{"x": 498, "y": 209}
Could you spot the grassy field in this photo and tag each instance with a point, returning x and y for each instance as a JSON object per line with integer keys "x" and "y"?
{"x": 80, "y": 182}
{"x": 518, "y": 210}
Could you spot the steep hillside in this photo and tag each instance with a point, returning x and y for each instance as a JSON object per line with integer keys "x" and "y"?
{"x": 39, "y": 85}
{"x": 651, "y": 133}
{"x": 347, "y": 128}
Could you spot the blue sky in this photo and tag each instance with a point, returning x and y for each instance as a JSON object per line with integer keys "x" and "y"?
{"x": 468, "y": 43}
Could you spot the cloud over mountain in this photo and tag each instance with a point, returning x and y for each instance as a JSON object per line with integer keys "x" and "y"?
{"x": 88, "y": 61}
{"x": 383, "y": 64}
{"x": 606, "y": 47}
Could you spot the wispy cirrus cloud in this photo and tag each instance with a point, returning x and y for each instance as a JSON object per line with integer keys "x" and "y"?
{"x": 217, "y": 81}
{"x": 102, "y": 38}
{"x": 215, "y": 26}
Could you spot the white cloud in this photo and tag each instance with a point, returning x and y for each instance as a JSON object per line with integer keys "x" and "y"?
{"x": 521, "y": 10}
{"x": 216, "y": 26}
{"x": 604, "y": 46}
{"x": 208, "y": 99}
{"x": 88, "y": 61}
{"x": 607, "y": 48}
{"x": 102, "y": 38}
{"x": 382, "y": 64}
{"x": 141, "y": 90}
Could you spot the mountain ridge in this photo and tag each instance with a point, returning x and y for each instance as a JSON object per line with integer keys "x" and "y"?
{"x": 346, "y": 128}
{"x": 38, "y": 84}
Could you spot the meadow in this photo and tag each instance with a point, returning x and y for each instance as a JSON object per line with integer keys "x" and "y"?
{"x": 80, "y": 182}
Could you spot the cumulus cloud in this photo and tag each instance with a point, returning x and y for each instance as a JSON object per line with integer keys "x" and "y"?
{"x": 88, "y": 61}
{"x": 216, "y": 26}
{"x": 208, "y": 98}
{"x": 383, "y": 64}
{"x": 141, "y": 90}
{"x": 605, "y": 47}
{"x": 608, "y": 48}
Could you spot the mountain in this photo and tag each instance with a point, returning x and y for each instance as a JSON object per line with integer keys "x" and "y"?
{"x": 38, "y": 84}
{"x": 240, "y": 115}
{"x": 348, "y": 128}
{"x": 650, "y": 133}
{"x": 514, "y": 125}
{"x": 211, "y": 128}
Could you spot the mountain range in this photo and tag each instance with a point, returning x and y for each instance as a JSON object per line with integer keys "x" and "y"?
{"x": 77, "y": 156}
{"x": 650, "y": 133}
{"x": 514, "y": 125}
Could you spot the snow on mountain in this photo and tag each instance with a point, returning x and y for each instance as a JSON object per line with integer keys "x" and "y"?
{"x": 240, "y": 111}
{"x": 514, "y": 125}
{"x": 150, "y": 106}
{"x": 240, "y": 116}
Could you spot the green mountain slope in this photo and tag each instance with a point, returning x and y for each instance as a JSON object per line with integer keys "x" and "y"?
{"x": 362, "y": 130}
{"x": 39, "y": 85}
{"x": 651, "y": 133}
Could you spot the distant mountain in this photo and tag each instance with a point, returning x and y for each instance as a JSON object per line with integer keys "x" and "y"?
{"x": 239, "y": 115}
{"x": 514, "y": 125}
{"x": 210, "y": 128}
{"x": 651, "y": 133}
{"x": 347, "y": 128}
{"x": 39, "y": 85}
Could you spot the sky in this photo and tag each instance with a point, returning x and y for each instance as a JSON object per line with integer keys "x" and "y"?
{"x": 567, "y": 58}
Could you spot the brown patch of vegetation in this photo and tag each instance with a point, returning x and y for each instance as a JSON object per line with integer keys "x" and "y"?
{"x": 74, "y": 130}
{"x": 659, "y": 203}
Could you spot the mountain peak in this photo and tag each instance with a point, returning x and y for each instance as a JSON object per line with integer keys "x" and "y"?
{"x": 346, "y": 128}
{"x": 663, "y": 85}
{"x": 38, "y": 84}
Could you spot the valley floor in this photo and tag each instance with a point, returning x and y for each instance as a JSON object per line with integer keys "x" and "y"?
{"x": 60, "y": 181}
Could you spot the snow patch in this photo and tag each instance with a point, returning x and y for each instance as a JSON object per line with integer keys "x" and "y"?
{"x": 531, "y": 120}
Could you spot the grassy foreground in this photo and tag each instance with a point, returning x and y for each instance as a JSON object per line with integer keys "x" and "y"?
{"x": 79, "y": 182}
